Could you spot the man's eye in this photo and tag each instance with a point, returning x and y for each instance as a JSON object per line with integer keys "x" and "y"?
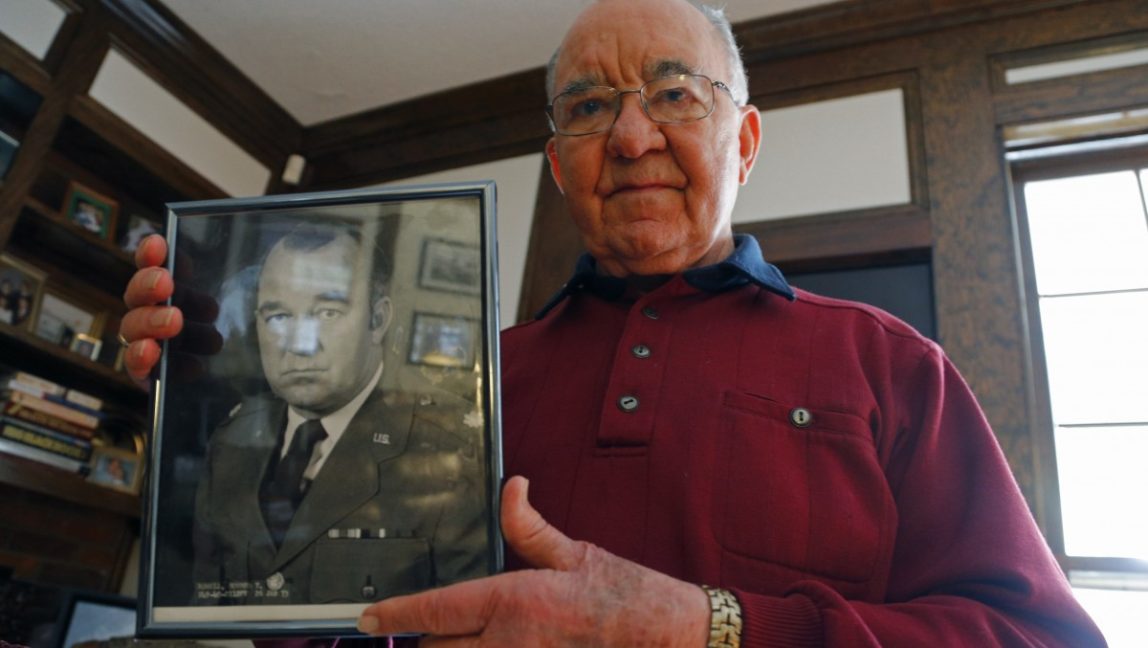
{"x": 586, "y": 108}
{"x": 275, "y": 318}
{"x": 328, "y": 314}
{"x": 672, "y": 96}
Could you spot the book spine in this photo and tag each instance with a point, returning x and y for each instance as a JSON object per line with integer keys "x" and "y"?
{"x": 38, "y": 418}
{"x": 62, "y": 400}
{"x": 47, "y": 442}
{"x": 31, "y": 380}
{"x": 84, "y": 400}
{"x": 42, "y": 456}
{"x": 55, "y": 409}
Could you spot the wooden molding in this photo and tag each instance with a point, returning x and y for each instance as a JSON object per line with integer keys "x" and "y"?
{"x": 161, "y": 44}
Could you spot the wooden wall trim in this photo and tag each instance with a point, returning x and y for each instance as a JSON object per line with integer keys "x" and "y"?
{"x": 480, "y": 122}
{"x": 191, "y": 69}
{"x": 554, "y": 247}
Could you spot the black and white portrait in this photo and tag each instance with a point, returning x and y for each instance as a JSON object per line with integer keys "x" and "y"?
{"x": 314, "y": 466}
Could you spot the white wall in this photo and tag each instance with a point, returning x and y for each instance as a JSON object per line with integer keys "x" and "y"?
{"x": 31, "y": 23}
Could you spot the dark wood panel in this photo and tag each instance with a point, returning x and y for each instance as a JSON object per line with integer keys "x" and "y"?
{"x": 81, "y": 62}
{"x": 822, "y": 242}
{"x": 554, "y": 247}
{"x": 1100, "y": 92}
{"x": 23, "y": 66}
{"x": 187, "y": 66}
{"x": 34, "y": 476}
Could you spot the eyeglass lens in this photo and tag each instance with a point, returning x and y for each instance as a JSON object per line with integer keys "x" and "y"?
{"x": 670, "y": 100}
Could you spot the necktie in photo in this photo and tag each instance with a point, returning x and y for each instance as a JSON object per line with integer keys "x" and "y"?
{"x": 284, "y": 490}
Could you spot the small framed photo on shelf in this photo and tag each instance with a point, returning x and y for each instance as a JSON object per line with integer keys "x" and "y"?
{"x": 138, "y": 228}
{"x": 451, "y": 265}
{"x": 116, "y": 468}
{"x": 60, "y": 320}
{"x": 8, "y": 148}
{"x": 442, "y": 340}
{"x": 86, "y": 345}
{"x": 90, "y": 210}
{"x": 21, "y": 286}
{"x": 264, "y": 522}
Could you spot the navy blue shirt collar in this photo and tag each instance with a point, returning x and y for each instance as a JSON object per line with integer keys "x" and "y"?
{"x": 744, "y": 266}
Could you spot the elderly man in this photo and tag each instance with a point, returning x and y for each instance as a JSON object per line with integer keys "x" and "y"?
{"x": 293, "y": 477}
{"x": 685, "y": 418}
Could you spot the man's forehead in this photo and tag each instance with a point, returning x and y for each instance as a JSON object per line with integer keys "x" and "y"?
{"x": 656, "y": 69}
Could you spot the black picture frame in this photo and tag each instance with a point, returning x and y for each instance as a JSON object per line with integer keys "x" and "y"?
{"x": 298, "y": 308}
{"x": 451, "y": 266}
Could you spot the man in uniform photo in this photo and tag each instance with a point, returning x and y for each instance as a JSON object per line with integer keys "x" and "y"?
{"x": 328, "y": 490}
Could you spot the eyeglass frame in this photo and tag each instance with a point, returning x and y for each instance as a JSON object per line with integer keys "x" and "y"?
{"x": 641, "y": 101}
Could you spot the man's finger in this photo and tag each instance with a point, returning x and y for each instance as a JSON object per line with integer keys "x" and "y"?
{"x": 455, "y": 610}
{"x": 151, "y": 251}
{"x": 532, "y": 537}
{"x": 155, "y": 322}
{"x": 148, "y": 286}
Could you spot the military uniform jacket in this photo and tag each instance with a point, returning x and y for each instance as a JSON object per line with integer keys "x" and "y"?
{"x": 398, "y": 506}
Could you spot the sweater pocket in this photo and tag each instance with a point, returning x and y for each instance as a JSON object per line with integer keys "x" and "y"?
{"x": 800, "y": 490}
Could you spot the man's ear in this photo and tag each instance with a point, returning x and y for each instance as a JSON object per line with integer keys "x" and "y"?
{"x": 749, "y": 140}
{"x": 555, "y": 169}
{"x": 381, "y": 314}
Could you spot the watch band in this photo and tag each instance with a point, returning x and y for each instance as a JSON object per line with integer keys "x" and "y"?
{"x": 725, "y": 618}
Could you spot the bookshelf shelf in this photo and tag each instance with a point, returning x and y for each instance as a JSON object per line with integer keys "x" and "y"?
{"x": 34, "y": 476}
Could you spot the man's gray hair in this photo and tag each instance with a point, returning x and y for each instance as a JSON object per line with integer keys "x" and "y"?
{"x": 738, "y": 82}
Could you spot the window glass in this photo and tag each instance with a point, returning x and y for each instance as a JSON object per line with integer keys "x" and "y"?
{"x": 1096, "y": 350}
{"x": 1102, "y": 489}
{"x": 1089, "y": 233}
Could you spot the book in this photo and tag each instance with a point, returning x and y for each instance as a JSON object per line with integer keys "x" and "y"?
{"x": 64, "y": 412}
{"x": 84, "y": 400}
{"x": 18, "y": 449}
{"x": 38, "y": 418}
{"x": 42, "y": 384}
{"x": 63, "y": 400}
{"x": 61, "y": 444}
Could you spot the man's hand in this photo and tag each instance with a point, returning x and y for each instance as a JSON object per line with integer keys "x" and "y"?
{"x": 578, "y": 595}
{"x": 147, "y": 321}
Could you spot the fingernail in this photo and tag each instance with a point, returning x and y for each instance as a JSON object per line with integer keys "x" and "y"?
{"x": 153, "y": 279}
{"x": 137, "y": 350}
{"x": 162, "y": 317}
{"x": 368, "y": 624}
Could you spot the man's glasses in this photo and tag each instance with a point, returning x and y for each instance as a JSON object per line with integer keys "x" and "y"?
{"x": 675, "y": 99}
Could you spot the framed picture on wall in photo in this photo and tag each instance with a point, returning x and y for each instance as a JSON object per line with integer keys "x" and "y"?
{"x": 90, "y": 210}
{"x": 451, "y": 265}
{"x": 301, "y": 468}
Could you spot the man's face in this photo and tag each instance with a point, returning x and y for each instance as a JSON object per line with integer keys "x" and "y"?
{"x": 651, "y": 198}
{"x": 319, "y": 336}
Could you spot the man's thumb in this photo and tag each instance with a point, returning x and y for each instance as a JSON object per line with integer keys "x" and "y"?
{"x": 532, "y": 538}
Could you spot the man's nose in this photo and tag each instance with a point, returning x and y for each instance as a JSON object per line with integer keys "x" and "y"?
{"x": 303, "y": 337}
{"x": 634, "y": 133}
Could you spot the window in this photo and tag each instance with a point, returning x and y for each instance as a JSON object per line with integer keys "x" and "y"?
{"x": 1084, "y": 231}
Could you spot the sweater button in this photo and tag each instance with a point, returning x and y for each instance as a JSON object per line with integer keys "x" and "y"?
{"x": 640, "y": 351}
{"x": 650, "y": 312}
{"x": 628, "y": 403}
{"x": 800, "y": 417}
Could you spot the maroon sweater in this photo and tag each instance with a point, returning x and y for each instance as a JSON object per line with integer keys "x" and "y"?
{"x": 818, "y": 457}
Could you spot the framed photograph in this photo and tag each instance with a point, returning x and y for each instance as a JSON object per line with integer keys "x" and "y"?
{"x": 95, "y": 617}
{"x": 451, "y": 265}
{"x": 90, "y": 210}
{"x": 8, "y": 148}
{"x": 138, "y": 228}
{"x": 21, "y": 286}
{"x": 309, "y": 455}
{"x": 86, "y": 345}
{"x": 442, "y": 340}
{"x": 60, "y": 320}
{"x": 116, "y": 468}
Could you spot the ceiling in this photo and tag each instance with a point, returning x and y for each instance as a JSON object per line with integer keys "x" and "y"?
{"x": 328, "y": 59}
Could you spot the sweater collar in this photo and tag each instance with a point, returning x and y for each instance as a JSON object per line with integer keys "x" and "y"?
{"x": 744, "y": 266}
